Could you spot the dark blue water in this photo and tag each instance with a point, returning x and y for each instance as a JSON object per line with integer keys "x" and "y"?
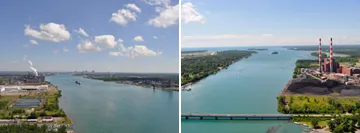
{"x": 246, "y": 87}
{"x": 103, "y": 107}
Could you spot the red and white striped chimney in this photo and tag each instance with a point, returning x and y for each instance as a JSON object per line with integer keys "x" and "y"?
{"x": 331, "y": 56}
{"x": 320, "y": 55}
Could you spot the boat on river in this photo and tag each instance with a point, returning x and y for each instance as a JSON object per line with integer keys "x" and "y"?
{"x": 77, "y": 82}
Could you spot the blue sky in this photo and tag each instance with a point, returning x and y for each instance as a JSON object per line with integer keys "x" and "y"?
{"x": 271, "y": 22}
{"x": 108, "y": 43}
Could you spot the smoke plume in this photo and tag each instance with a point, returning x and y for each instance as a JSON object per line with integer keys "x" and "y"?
{"x": 33, "y": 68}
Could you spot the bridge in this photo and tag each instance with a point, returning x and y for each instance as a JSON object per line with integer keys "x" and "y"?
{"x": 198, "y": 116}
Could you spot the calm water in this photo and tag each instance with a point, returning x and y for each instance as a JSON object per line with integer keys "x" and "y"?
{"x": 102, "y": 107}
{"x": 248, "y": 86}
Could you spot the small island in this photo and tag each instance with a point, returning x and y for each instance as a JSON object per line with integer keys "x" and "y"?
{"x": 258, "y": 49}
{"x": 195, "y": 67}
{"x": 275, "y": 52}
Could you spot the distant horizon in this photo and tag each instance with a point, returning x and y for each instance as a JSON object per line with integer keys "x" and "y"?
{"x": 275, "y": 45}
{"x": 94, "y": 72}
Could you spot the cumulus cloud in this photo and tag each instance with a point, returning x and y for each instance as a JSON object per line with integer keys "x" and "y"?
{"x": 155, "y": 37}
{"x": 168, "y": 15}
{"x": 133, "y": 51}
{"x": 81, "y": 32}
{"x": 138, "y": 39}
{"x": 262, "y": 40}
{"x": 123, "y": 16}
{"x": 157, "y": 2}
{"x": 189, "y": 13}
{"x": 49, "y": 32}
{"x": 34, "y": 42}
{"x": 65, "y": 50}
{"x": 133, "y": 7}
{"x": 106, "y": 40}
{"x": 87, "y": 46}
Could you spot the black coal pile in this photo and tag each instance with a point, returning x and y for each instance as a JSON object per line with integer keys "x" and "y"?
{"x": 316, "y": 87}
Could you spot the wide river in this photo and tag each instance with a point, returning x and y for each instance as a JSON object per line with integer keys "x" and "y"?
{"x": 248, "y": 86}
{"x": 103, "y": 107}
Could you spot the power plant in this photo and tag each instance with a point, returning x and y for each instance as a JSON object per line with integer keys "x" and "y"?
{"x": 330, "y": 66}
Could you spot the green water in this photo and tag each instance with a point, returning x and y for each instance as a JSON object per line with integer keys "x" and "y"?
{"x": 104, "y": 107}
{"x": 248, "y": 86}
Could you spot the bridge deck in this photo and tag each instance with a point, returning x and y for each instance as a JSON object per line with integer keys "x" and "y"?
{"x": 234, "y": 115}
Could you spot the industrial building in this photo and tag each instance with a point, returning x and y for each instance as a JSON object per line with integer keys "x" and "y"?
{"x": 23, "y": 88}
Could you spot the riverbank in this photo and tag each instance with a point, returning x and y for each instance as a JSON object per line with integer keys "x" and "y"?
{"x": 146, "y": 86}
{"x": 196, "y": 68}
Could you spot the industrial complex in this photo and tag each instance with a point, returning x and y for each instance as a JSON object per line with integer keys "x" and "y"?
{"x": 330, "y": 69}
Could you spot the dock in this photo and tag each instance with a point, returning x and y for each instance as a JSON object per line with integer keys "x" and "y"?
{"x": 197, "y": 116}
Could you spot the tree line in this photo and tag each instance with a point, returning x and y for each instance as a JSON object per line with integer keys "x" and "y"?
{"x": 317, "y": 105}
{"x": 199, "y": 67}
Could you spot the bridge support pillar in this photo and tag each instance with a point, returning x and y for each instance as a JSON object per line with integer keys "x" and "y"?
{"x": 201, "y": 117}
{"x": 216, "y": 117}
{"x": 231, "y": 118}
{"x": 186, "y": 117}
{"x": 262, "y": 118}
{"x": 246, "y": 118}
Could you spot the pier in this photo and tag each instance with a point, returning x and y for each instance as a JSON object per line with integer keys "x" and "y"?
{"x": 196, "y": 116}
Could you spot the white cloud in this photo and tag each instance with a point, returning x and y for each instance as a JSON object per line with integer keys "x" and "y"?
{"x": 115, "y": 54}
{"x": 134, "y": 51}
{"x": 168, "y": 15}
{"x": 133, "y": 7}
{"x": 34, "y": 42}
{"x": 82, "y": 32}
{"x": 189, "y": 14}
{"x": 55, "y": 51}
{"x": 157, "y": 2}
{"x": 138, "y": 39}
{"x": 262, "y": 40}
{"x": 65, "y": 50}
{"x": 123, "y": 16}
{"x": 49, "y": 32}
{"x": 87, "y": 46}
{"x": 106, "y": 40}
{"x": 155, "y": 37}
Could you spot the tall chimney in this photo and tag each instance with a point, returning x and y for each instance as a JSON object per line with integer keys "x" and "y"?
{"x": 331, "y": 56}
{"x": 320, "y": 55}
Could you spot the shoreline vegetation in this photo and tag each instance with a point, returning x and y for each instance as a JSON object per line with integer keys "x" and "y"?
{"x": 196, "y": 66}
{"x": 167, "y": 82}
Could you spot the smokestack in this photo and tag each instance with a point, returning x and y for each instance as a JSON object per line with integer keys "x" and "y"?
{"x": 320, "y": 55}
{"x": 331, "y": 56}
